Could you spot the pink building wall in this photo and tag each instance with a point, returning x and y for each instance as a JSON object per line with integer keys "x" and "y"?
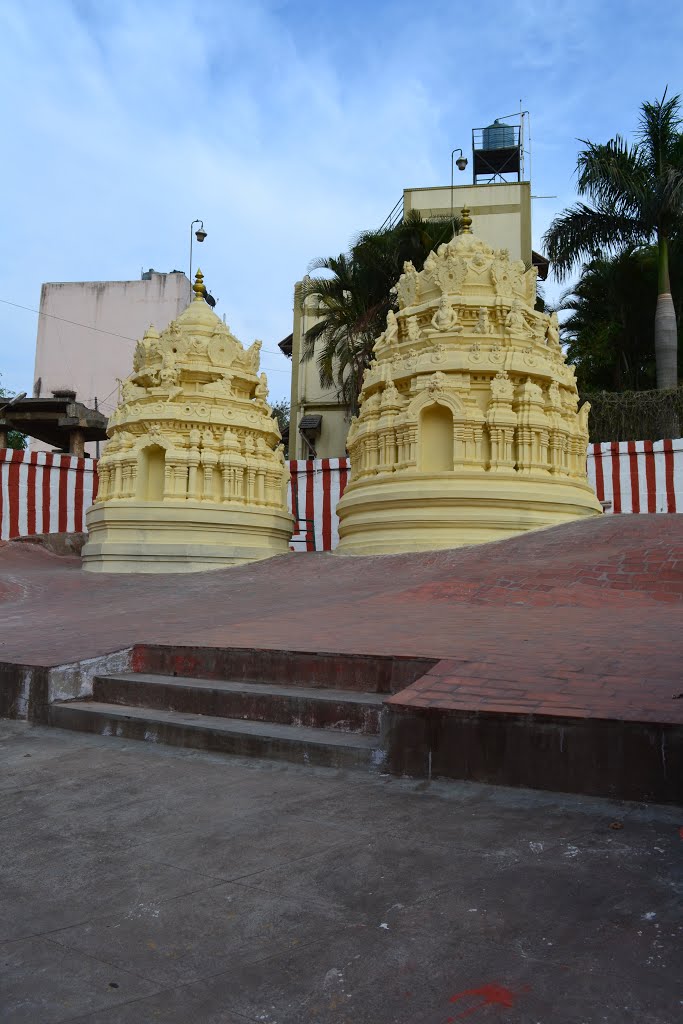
{"x": 88, "y": 330}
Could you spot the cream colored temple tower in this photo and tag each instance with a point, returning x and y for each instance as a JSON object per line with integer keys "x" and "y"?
{"x": 468, "y": 428}
{"x": 193, "y": 477}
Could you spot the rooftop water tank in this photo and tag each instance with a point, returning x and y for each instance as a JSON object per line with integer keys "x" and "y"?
{"x": 499, "y": 136}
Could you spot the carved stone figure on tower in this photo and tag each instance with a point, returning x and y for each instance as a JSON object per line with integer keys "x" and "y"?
{"x": 483, "y": 325}
{"x": 552, "y": 334}
{"x": 445, "y": 318}
{"x": 391, "y": 333}
{"x": 514, "y": 321}
{"x": 407, "y": 286}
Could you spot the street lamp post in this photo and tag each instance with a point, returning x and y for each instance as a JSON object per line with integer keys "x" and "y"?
{"x": 462, "y": 164}
{"x": 200, "y": 235}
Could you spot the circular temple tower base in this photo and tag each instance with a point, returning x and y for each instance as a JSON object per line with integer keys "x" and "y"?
{"x": 427, "y": 514}
{"x": 160, "y": 537}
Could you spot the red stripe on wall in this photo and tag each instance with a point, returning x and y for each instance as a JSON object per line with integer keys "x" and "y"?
{"x": 310, "y": 507}
{"x": 31, "y": 496}
{"x": 64, "y": 461}
{"x": 78, "y": 496}
{"x": 650, "y": 477}
{"x": 669, "y": 476}
{"x": 599, "y": 478}
{"x": 327, "y": 506}
{"x": 616, "y": 477}
{"x": 95, "y": 481}
{"x": 343, "y": 475}
{"x": 633, "y": 472}
{"x": 13, "y": 492}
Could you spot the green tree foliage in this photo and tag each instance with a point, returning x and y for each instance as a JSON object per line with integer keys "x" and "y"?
{"x": 609, "y": 332}
{"x": 356, "y": 295}
{"x": 15, "y": 439}
{"x": 635, "y": 194}
{"x": 281, "y": 414}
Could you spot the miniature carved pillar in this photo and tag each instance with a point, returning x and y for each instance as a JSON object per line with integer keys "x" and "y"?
{"x": 192, "y": 474}
{"x": 181, "y": 464}
{"x": 169, "y": 479}
{"x": 209, "y": 461}
{"x": 117, "y": 477}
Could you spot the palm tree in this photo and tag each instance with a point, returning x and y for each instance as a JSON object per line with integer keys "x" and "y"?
{"x": 608, "y": 331}
{"x": 636, "y": 193}
{"x": 353, "y": 302}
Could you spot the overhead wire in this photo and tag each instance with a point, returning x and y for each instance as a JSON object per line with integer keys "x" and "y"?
{"x": 101, "y": 330}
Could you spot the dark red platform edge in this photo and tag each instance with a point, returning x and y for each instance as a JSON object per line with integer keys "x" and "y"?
{"x": 623, "y": 760}
{"x": 385, "y": 674}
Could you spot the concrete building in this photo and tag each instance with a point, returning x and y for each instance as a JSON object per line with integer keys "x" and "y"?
{"x": 87, "y": 333}
{"x": 501, "y": 212}
{"x": 318, "y": 424}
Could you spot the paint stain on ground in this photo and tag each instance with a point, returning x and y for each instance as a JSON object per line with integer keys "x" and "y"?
{"x": 485, "y": 995}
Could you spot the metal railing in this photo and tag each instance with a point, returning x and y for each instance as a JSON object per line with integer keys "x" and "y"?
{"x": 394, "y": 218}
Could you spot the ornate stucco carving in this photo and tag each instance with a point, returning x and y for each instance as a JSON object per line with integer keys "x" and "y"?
{"x": 512, "y": 400}
{"x": 193, "y": 430}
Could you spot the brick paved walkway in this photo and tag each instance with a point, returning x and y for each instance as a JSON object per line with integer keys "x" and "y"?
{"x": 583, "y": 619}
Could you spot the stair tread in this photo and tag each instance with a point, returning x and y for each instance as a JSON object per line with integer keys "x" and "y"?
{"x": 269, "y": 730}
{"x": 259, "y": 689}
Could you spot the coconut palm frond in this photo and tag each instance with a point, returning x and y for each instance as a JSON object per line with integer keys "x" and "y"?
{"x": 613, "y": 174}
{"x": 581, "y": 232}
{"x": 659, "y": 128}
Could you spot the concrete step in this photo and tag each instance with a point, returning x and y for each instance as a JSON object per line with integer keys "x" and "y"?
{"x": 297, "y": 744}
{"x": 342, "y": 710}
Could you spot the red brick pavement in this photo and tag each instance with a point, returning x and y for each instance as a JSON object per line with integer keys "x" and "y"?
{"x": 580, "y": 620}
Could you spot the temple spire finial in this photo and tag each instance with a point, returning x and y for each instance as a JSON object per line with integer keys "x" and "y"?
{"x": 466, "y": 221}
{"x": 198, "y": 286}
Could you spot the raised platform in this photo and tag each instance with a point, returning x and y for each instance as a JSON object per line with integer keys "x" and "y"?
{"x": 181, "y": 537}
{"x": 559, "y": 651}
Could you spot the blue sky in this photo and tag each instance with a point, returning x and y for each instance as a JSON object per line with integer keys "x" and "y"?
{"x": 288, "y": 126}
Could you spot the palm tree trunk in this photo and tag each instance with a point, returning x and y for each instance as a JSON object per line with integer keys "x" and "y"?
{"x": 666, "y": 332}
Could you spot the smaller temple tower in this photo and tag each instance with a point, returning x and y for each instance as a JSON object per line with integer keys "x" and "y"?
{"x": 469, "y": 428}
{"x": 194, "y": 476}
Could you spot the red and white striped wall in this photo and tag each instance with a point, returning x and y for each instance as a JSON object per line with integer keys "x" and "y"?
{"x": 315, "y": 487}
{"x": 638, "y": 476}
{"x": 45, "y": 493}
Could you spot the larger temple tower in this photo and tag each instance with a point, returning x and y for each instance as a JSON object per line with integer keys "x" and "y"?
{"x": 469, "y": 428}
{"x": 194, "y": 476}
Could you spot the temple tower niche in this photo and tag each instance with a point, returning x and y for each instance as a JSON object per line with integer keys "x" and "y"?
{"x": 194, "y": 476}
{"x": 469, "y": 428}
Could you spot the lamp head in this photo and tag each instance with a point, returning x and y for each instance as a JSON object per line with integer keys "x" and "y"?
{"x": 461, "y": 163}
{"x": 200, "y": 234}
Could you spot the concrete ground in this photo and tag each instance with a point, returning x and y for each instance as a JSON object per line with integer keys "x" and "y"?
{"x": 143, "y": 884}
